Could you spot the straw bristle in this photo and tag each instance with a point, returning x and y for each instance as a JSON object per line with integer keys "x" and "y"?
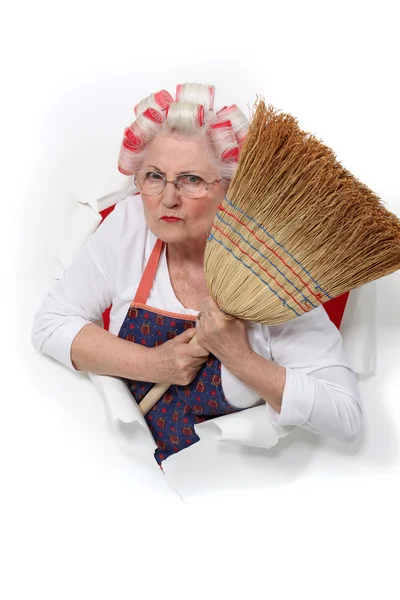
{"x": 296, "y": 227}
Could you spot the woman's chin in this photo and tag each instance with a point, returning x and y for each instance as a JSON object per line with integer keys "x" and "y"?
{"x": 174, "y": 233}
{"x": 170, "y": 233}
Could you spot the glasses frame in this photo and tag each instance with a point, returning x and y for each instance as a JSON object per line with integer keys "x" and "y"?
{"x": 176, "y": 183}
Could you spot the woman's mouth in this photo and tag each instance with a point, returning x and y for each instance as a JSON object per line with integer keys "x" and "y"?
{"x": 170, "y": 219}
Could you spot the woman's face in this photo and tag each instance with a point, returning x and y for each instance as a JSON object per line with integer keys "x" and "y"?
{"x": 172, "y": 156}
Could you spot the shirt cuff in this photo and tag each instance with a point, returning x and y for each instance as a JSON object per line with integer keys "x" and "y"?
{"x": 297, "y": 400}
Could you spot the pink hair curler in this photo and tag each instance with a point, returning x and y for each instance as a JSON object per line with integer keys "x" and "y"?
{"x": 163, "y": 99}
{"x": 154, "y": 115}
{"x": 200, "y": 116}
{"x": 231, "y": 153}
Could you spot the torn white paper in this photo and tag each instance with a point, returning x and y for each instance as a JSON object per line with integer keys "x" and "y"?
{"x": 124, "y": 418}
{"x": 86, "y": 218}
{"x": 251, "y": 428}
{"x": 84, "y": 222}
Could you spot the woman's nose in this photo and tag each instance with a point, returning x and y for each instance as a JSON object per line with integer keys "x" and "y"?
{"x": 171, "y": 196}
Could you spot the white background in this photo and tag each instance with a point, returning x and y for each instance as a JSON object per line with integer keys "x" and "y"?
{"x": 79, "y": 518}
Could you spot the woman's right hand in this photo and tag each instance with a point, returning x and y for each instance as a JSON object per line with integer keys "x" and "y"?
{"x": 176, "y": 361}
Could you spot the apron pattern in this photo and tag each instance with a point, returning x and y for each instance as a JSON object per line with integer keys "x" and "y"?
{"x": 171, "y": 421}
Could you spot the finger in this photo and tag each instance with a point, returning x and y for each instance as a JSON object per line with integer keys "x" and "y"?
{"x": 199, "y": 362}
{"x": 186, "y": 336}
{"x": 201, "y": 353}
{"x": 196, "y": 349}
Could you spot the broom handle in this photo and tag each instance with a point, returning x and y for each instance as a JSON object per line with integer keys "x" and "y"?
{"x": 155, "y": 393}
{"x": 153, "y": 396}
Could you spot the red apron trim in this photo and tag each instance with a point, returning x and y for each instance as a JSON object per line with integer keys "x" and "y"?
{"x": 146, "y": 282}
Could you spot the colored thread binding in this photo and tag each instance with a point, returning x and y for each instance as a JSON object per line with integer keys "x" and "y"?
{"x": 266, "y": 258}
{"x": 252, "y": 270}
{"x": 318, "y": 287}
{"x": 261, "y": 267}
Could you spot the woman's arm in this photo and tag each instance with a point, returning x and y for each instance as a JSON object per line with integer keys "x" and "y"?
{"x": 95, "y": 350}
{"x": 175, "y": 362}
{"x": 325, "y": 401}
{"x": 261, "y": 375}
{"x": 321, "y": 391}
{"x": 307, "y": 383}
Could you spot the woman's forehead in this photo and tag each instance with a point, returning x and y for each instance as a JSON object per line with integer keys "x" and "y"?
{"x": 178, "y": 154}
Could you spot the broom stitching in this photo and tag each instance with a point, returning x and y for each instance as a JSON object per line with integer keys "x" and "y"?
{"x": 318, "y": 287}
{"x": 256, "y": 274}
{"x": 266, "y": 258}
{"x": 261, "y": 267}
{"x": 317, "y": 296}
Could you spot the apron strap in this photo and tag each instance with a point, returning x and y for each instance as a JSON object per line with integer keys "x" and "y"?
{"x": 146, "y": 282}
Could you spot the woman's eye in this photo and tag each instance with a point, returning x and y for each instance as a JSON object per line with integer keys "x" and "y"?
{"x": 153, "y": 176}
{"x": 192, "y": 179}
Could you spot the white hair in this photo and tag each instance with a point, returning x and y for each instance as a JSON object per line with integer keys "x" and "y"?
{"x": 191, "y": 113}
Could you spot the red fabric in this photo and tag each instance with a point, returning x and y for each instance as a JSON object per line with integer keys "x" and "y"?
{"x": 106, "y": 313}
{"x": 104, "y": 213}
{"x": 334, "y": 308}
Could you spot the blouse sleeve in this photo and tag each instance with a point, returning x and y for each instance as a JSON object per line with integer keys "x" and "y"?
{"x": 81, "y": 295}
{"x": 321, "y": 391}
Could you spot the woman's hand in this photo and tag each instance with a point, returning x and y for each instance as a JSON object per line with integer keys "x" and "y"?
{"x": 222, "y": 335}
{"x": 177, "y": 361}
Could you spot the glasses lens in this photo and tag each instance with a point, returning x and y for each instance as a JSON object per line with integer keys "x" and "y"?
{"x": 192, "y": 186}
{"x": 150, "y": 183}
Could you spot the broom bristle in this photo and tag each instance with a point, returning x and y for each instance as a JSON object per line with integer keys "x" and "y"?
{"x": 296, "y": 227}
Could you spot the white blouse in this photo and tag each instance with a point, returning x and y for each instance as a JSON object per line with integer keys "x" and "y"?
{"x": 321, "y": 391}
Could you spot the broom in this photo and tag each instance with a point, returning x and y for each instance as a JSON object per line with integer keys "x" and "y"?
{"x": 295, "y": 229}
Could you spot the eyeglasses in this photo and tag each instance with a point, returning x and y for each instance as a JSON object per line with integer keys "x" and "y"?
{"x": 151, "y": 183}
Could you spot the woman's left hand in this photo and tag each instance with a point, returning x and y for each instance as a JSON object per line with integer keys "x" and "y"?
{"x": 222, "y": 335}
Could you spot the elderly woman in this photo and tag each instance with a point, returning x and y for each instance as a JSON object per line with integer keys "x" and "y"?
{"x": 146, "y": 260}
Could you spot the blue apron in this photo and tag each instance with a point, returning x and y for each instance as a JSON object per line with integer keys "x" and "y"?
{"x": 171, "y": 421}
